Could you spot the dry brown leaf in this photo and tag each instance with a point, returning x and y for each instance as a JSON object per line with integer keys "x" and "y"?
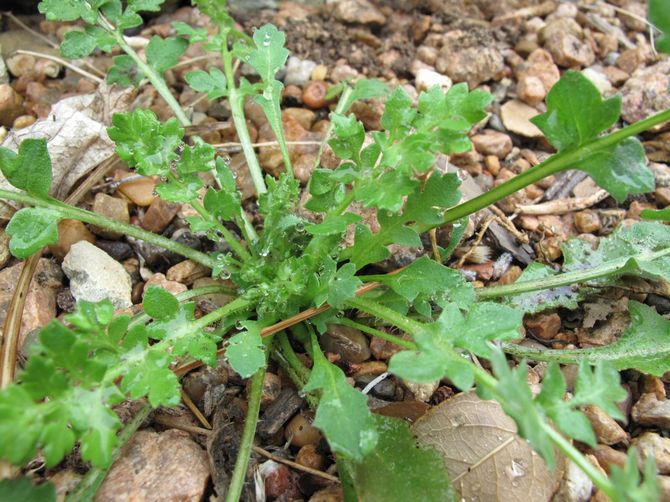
{"x": 485, "y": 458}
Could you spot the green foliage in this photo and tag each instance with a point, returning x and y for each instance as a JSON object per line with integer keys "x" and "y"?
{"x": 213, "y": 83}
{"x": 575, "y": 116}
{"x": 343, "y": 414}
{"x": 31, "y": 229}
{"x": 659, "y": 16}
{"x": 397, "y": 470}
{"x": 627, "y": 481}
{"x": 245, "y": 351}
{"x": 22, "y": 489}
{"x": 30, "y": 168}
{"x": 164, "y": 53}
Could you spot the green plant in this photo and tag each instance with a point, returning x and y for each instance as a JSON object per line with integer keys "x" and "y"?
{"x": 77, "y": 373}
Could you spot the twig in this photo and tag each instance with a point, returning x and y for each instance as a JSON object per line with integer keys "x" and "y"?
{"x": 478, "y": 240}
{"x": 564, "y": 206}
{"x": 27, "y": 28}
{"x": 58, "y": 60}
{"x": 234, "y": 146}
{"x": 194, "y": 409}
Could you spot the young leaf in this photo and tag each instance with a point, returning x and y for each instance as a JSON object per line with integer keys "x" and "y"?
{"x": 213, "y": 83}
{"x": 245, "y": 351}
{"x": 125, "y": 72}
{"x": 159, "y": 304}
{"x": 656, "y": 214}
{"x": 343, "y": 286}
{"x": 270, "y": 55}
{"x": 163, "y": 53}
{"x": 421, "y": 469}
{"x": 152, "y": 378}
{"x": 659, "y": 16}
{"x": 31, "y": 229}
{"x": 77, "y": 44}
{"x": 70, "y": 10}
{"x": 22, "y": 489}
{"x": 349, "y": 136}
{"x": 626, "y": 481}
{"x": 576, "y": 114}
{"x": 30, "y": 168}
{"x": 343, "y": 414}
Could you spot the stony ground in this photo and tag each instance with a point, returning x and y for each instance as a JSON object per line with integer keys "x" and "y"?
{"x": 516, "y": 49}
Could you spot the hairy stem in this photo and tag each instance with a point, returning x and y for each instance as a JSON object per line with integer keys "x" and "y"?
{"x": 345, "y": 321}
{"x": 236, "y": 99}
{"x": 67, "y": 211}
{"x": 385, "y": 313}
{"x": 242, "y": 460}
{"x": 228, "y": 236}
{"x": 341, "y": 107}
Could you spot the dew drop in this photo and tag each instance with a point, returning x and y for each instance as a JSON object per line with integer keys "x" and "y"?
{"x": 300, "y": 227}
{"x": 238, "y": 326}
{"x": 225, "y": 274}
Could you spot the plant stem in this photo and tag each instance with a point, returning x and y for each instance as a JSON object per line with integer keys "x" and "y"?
{"x": 292, "y": 358}
{"x": 89, "y": 484}
{"x": 242, "y": 460}
{"x": 567, "y": 278}
{"x": 235, "y": 98}
{"x": 556, "y": 163}
{"x": 345, "y": 321}
{"x": 228, "y": 236}
{"x": 385, "y": 313}
{"x": 156, "y": 80}
{"x": 341, "y": 107}
{"x": 67, "y": 211}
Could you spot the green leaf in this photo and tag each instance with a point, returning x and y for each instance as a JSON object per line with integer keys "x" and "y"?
{"x": 333, "y": 225}
{"x": 343, "y": 414}
{"x": 194, "y": 35}
{"x": 656, "y": 214}
{"x": 245, "y": 351}
{"x": 343, "y": 286}
{"x": 125, "y": 72}
{"x": 144, "y": 143}
{"x": 70, "y": 10}
{"x": 270, "y": 55}
{"x": 349, "y": 136}
{"x": 145, "y": 5}
{"x": 183, "y": 190}
{"x": 159, "y": 303}
{"x": 153, "y": 377}
{"x": 30, "y": 169}
{"x": 31, "y": 229}
{"x": 196, "y": 159}
{"x": 627, "y": 483}
{"x": 659, "y": 16}
{"x": 21, "y": 489}
{"x": 644, "y": 346}
{"x": 213, "y": 83}
{"x": 397, "y": 470}
{"x": 163, "y": 53}
{"x": 77, "y": 44}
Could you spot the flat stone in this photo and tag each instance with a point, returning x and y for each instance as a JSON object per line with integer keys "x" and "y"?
{"x": 607, "y": 430}
{"x": 349, "y": 343}
{"x": 94, "y": 275}
{"x": 473, "y": 65}
{"x": 159, "y": 215}
{"x": 69, "y": 233}
{"x": 162, "y": 282}
{"x": 157, "y": 466}
{"x": 645, "y": 93}
{"x": 491, "y": 142}
{"x": 653, "y": 445}
{"x": 140, "y": 191}
{"x": 649, "y": 410}
{"x": 187, "y": 272}
{"x": 427, "y": 78}
{"x": 110, "y": 207}
{"x": 516, "y": 117}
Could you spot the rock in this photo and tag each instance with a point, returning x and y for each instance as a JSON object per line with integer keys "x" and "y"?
{"x": 427, "y": 78}
{"x": 575, "y": 485}
{"x": 113, "y": 208}
{"x": 587, "y": 221}
{"x": 598, "y": 79}
{"x": 94, "y": 275}
{"x": 568, "y": 51}
{"x": 349, "y": 343}
{"x": 11, "y": 105}
{"x": 238, "y": 165}
{"x": 139, "y": 191}
{"x": 298, "y": 71}
{"x": 662, "y": 195}
{"x": 219, "y": 300}
{"x": 615, "y": 75}
{"x": 303, "y": 116}
{"x": 491, "y": 142}
{"x": 40, "y": 306}
{"x": 186, "y": 272}
{"x": 153, "y": 466}
{"x": 516, "y": 117}
{"x": 653, "y": 445}
{"x": 162, "y": 282}
{"x": 159, "y": 215}
{"x": 645, "y": 93}
{"x": 69, "y": 233}
{"x": 21, "y": 64}
{"x": 383, "y": 349}
{"x": 539, "y": 65}
{"x": 608, "y": 457}
{"x": 5, "y": 254}
{"x": 607, "y": 430}
{"x": 561, "y": 25}
{"x": 119, "y": 250}
{"x": 544, "y": 326}
{"x": 357, "y": 11}
{"x": 343, "y": 72}
{"x": 370, "y": 113}
{"x": 530, "y": 89}
{"x": 630, "y": 60}
{"x": 314, "y": 94}
{"x": 649, "y": 410}
{"x": 473, "y": 65}
{"x": 422, "y": 391}
{"x": 23, "y": 121}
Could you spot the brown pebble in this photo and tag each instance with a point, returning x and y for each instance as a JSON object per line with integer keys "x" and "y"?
{"x": 314, "y": 94}
{"x": 608, "y": 457}
{"x": 310, "y": 457}
{"x": 300, "y": 431}
{"x": 110, "y": 207}
{"x": 544, "y": 326}
{"x": 159, "y": 215}
{"x": 70, "y": 232}
{"x": 23, "y": 121}
{"x": 587, "y": 221}
{"x": 140, "y": 191}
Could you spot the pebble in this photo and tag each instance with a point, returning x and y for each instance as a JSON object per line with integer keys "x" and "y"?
{"x": 575, "y": 486}
{"x": 303, "y": 116}
{"x": 314, "y": 94}
{"x": 608, "y": 457}
{"x": 560, "y": 25}
{"x": 279, "y": 481}
{"x": 653, "y": 445}
{"x": 568, "y": 51}
{"x": 140, "y": 191}
{"x": 630, "y": 60}
{"x": 21, "y": 64}
{"x": 530, "y": 89}
{"x": 600, "y": 80}
{"x": 662, "y": 196}
{"x": 320, "y": 72}
{"x": 187, "y": 272}
{"x": 422, "y": 391}
{"x": 159, "y": 215}
{"x": 587, "y": 221}
{"x": 298, "y": 71}
{"x": 161, "y": 281}
{"x": 649, "y": 410}
{"x": 349, "y": 343}
{"x": 605, "y": 427}
{"x": 238, "y": 165}
{"x": 94, "y": 275}
{"x": 383, "y": 390}
{"x": 69, "y": 233}
{"x": 310, "y": 456}
{"x": 491, "y": 142}
{"x": 343, "y": 72}
{"x": 516, "y": 117}
{"x": 40, "y": 303}
{"x": 427, "y": 78}
{"x": 300, "y": 431}
{"x": 119, "y": 250}
{"x": 5, "y": 254}
{"x": 357, "y": 11}
{"x": 544, "y": 326}
{"x": 382, "y": 350}
{"x": 645, "y": 93}
{"x": 23, "y": 121}
{"x": 113, "y": 208}
{"x": 10, "y": 105}
{"x": 473, "y": 65}
{"x": 157, "y": 466}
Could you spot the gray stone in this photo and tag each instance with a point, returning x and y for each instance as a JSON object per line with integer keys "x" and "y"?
{"x": 298, "y": 71}
{"x": 94, "y": 275}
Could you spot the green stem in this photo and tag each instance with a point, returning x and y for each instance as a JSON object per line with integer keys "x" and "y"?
{"x": 292, "y": 358}
{"x": 341, "y": 107}
{"x": 235, "y": 306}
{"x": 578, "y": 276}
{"x": 156, "y": 80}
{"x": 345, "y": 321}
{"x": 385, "y": 313}
{"x": 90, "y": 483}
{"x": 235, "y": 98}
{"x": 67, "y": 211}
{"x": 228, "y": 236}
{"x": 242, "y": 460}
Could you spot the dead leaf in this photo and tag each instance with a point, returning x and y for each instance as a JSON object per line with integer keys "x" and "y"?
{"x": 485, "y": 458}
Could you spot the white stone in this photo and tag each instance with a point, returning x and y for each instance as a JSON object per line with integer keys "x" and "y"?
{"x": 427, "y": 78}
{"x": 599, "y": 80}
{"x": 94, "y": 275}
{"x": 575, "y": 487}
{"x": 516, "y": 117}
{"x": 298, "y": 71}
